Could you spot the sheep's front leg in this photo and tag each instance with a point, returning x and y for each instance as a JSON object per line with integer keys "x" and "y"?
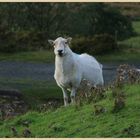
{"x": 65, "y": 96}
{"x": 73, "y": 92}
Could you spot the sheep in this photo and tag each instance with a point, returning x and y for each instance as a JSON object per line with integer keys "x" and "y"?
{"x": 72, "y": 68}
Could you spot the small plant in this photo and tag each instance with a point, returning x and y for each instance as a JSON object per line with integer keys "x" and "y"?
{"x": 56, "y": 127}
{"x": 26, "y": 133}
{"x": 22, "y": 122}
{"x": 14, "y": 132}
{"x": 127, "y": 74}
{"x": 119, "y": 103}
{"x": 133, "y": 76}
{"x": 49, "y": 105}
{"x": 98, "y": 109}
{"x": 129, "y": 130}
{"x": 121, "y": 75}
{"x": 97, "y": 93}
{"x": 87, "y": 93}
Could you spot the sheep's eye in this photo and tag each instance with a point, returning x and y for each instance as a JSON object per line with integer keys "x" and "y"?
{"x": 54, "y": 44}
{"x": 66, "y": 42}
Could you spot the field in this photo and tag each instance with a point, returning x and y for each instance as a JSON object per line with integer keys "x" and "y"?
{"x": 82, "y": 121}
{"x": 32, "y": 56}
{"x": 74, "y": 121}
{"x": 45, "y": 116}
{"x": 40, "y": 91}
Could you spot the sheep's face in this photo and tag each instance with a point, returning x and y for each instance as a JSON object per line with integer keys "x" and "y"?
{"x": 60, "y": 46}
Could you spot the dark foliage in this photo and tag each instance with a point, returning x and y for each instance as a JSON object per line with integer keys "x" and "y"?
{"x": 99, "y": 44}
{"x": 27, "y": 26}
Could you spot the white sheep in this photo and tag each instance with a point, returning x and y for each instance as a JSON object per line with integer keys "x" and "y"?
{"x": 72, "y": 68}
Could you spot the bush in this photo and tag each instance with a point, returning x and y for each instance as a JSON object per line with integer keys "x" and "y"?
{"x": 7, "y": 43}
{"x": 11, "y": 41}
{"x": 99, "y": 44}
{"x": 104, "y": 43}
{"x": 81, "y": 44}
{"x": 30, "y": 40}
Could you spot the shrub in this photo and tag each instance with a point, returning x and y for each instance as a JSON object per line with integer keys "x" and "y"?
{"x": 81, "y": 44}
{"x": 104, "y": 43}
{"x": 30, "y": 40}
{"x": 99, "y": 44}
{"x": 23, "y": 40}
{"x": 7, "y": 43}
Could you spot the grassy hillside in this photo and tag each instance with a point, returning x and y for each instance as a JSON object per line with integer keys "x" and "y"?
{"x": 81, "y": 121}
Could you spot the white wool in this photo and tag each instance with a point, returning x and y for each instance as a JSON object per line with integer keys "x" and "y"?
{"x": 71, "y": 69}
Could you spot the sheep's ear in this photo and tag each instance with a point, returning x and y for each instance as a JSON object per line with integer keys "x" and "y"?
{"x": 69, "y": 39}
{"x": 51, "y": 42}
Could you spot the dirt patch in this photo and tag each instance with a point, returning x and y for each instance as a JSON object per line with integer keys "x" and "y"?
{"x": 11, "y": 104}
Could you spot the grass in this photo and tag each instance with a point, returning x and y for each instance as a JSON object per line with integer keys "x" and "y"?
{"x": 81, "y": 122}
{"x": 40, "y": 91}
{"x": 125, "y": 56}
{"x": 73, "y": 122}
{"x": 133, "y": 42}
{"x": 136, "y": 26}
{"x": 34, "y": 91}
{"x": 32, "y": 56}
{"x": 129, "y": 51}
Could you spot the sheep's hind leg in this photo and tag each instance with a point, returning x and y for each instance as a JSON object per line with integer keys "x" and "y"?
{"x": 65, "y": 96}
{"x": 73, "y": 92}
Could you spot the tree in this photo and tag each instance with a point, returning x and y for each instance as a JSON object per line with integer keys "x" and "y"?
{"x": 102, "y": 18}
{"x": 33, "y": 24}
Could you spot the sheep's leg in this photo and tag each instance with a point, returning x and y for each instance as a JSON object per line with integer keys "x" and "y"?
{"x": 73, "y": 92}
{"x": 65, "y": 96}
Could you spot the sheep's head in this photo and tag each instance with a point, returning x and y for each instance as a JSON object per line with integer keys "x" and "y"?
{"x": 61, "y": 46}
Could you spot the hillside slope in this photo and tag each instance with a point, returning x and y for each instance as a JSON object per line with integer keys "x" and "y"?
{"x": 81, "y": 121}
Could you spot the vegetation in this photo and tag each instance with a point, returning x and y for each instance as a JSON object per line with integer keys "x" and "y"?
{"x": 28, "y": 26}
{"x": 129, "y": 51}
{"x": 110, "y": 112}
{"x": 35, "y": 92}
{"x": 81, "y": 122}
{"x": 133, "y": 42}
{"x": 100, "y": 44}
{"x": 31, "y": 56}
{"x": 129, "y": 9}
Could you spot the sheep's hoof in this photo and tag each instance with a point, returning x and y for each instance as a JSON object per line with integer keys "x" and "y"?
{"x": 72, "y": 100}
{"x": 66, "y": 102}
